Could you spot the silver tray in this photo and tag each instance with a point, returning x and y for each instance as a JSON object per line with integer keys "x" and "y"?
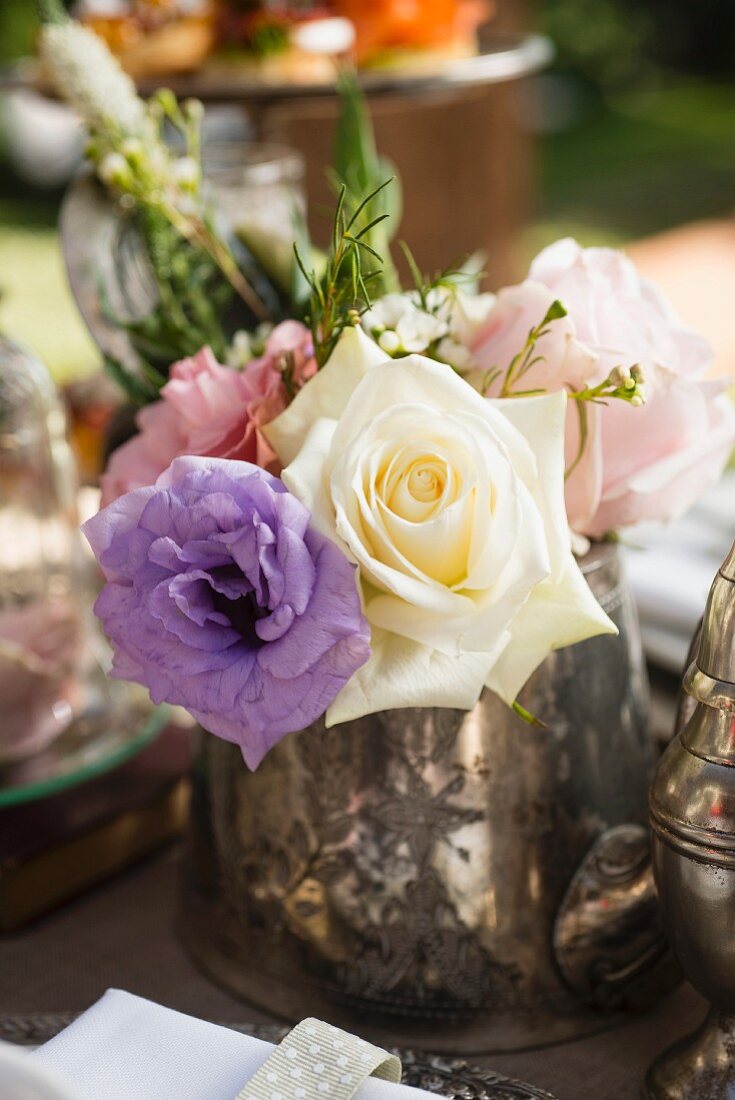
{"x": 449, "y": 1077}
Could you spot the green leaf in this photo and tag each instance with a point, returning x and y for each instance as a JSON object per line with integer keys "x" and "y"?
{"x": 363, "y": 173}
{"x": 139, "y": 390}
{"x": 393, "y": 197}
{"x": 416, "y": 274}
{"x": 583, "y": 435}
{"x": 527, "y": 717}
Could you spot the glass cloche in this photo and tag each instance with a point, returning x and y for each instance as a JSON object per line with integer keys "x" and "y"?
{"x": 41, "y": 564}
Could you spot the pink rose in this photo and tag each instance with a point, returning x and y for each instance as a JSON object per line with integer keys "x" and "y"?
{"x": 640, "y": 463}
{"x": 213, "y": 411}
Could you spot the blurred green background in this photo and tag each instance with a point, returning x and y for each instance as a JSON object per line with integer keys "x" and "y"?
{"x": 636, "y": 132}
{"x": 648, "y": 141}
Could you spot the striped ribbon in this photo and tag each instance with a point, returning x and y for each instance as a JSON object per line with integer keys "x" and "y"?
{"x": 316, "y": 1061}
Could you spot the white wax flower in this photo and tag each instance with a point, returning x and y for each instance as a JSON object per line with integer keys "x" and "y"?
{"x": 444, "y": 323}
{"x": 414, "y": 328}
{"x": 186, "y": 173}
{"x": 464, "y": 313}
{"x": 113, "y": 169}
{"x": 455, "y": 355}
{"x": 452, "y": 506}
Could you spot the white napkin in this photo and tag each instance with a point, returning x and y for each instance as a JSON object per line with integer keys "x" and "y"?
{"x": 127, "y": 1048}
{"x": 673, "y": 570}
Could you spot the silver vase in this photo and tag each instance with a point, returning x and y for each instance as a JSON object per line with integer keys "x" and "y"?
{"x": 448, "y": 879}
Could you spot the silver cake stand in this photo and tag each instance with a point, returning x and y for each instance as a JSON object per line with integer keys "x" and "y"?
{"x": 501, "y": 57}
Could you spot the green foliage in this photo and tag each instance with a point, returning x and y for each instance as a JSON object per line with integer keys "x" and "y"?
{"x": 603, "y": 41}
{"x": 269, "y": 39}
{"x": 51, "y": 11}
{"x": 450, "y": 278}
{"x": 192, "y": 297}
{"x": 18, "y": 22}
{"x": 361, "y": 171}
{"x": 301, "y": 286}
{"x": 339, "y": 297}
{"x": 622, "y": 384}
{"x": 527, "y": 717}
{"x": 526, "y": 358}
{"x": 137, "y": 388}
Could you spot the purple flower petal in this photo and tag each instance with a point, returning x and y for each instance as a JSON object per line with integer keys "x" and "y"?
{"x": 222, "y": 599}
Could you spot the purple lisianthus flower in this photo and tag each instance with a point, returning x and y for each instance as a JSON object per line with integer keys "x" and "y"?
{"x": 222, "y": 599}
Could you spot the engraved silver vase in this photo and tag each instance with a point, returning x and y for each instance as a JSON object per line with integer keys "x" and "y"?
{"x": 452, "y": 880}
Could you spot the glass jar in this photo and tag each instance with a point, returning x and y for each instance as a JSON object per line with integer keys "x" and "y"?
{"x": 259, "y": 189}
{"x": 41, "y": 566}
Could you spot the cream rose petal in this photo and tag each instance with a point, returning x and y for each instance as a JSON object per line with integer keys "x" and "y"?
{"x": 561, "y": 610}
{"x": 324, "y": 395}
{"x": 402, "y": 673}
{"x": 306, "y": 479}
{"x": 439, "y": 547}
{"x": 541, "y": 421}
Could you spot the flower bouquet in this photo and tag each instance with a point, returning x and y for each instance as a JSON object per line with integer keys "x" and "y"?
{"x": 353, "y": 527}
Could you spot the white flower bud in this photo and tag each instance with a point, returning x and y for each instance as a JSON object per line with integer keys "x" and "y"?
{"x": 185, "y": 172}
{"x": 194, "y": 109}
{"x": 114, "y": 170}
{"x": 131, "y": 147}
{"x": 619, "y": 377}
{"x": 241, "y": 350}
{"x": 389, "y": 341}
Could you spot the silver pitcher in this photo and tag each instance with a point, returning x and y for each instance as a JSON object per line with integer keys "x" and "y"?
{"x": 693, "y": 820}
{"x": 448, "y": 879}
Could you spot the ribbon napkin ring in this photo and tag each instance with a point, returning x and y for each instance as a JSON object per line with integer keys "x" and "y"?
{"x": 317, "y": 1060}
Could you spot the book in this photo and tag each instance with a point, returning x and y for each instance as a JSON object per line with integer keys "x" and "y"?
{"x": 54, "y": 848}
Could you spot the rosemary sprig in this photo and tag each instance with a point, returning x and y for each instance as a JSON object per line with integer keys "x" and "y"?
{"x": 449, "y": 278}
{"x": 339, "y": 298}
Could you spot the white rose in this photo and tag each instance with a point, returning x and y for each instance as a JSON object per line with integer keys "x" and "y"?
{"x": 453, "y": 508}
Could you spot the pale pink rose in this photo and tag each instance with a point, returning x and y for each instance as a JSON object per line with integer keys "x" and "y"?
{"x": 640, "y": 463}
{"x": 213, "y": 411}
